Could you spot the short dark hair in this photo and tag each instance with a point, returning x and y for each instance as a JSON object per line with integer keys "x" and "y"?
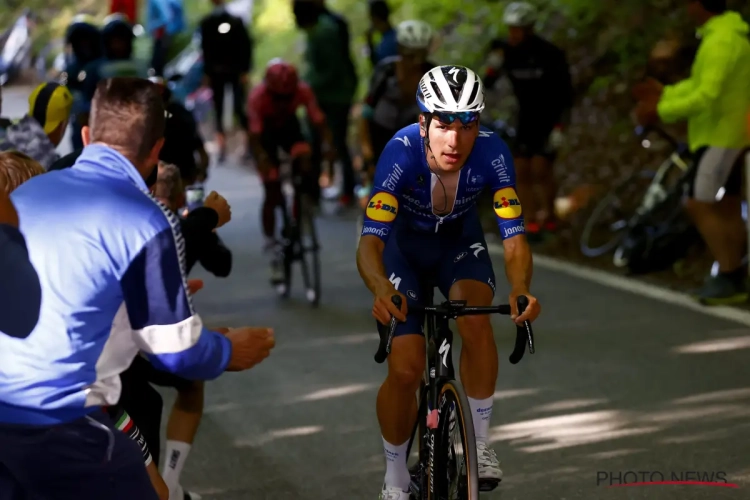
{"x": 379, "y": 9}
{"x": 127, "y": 113}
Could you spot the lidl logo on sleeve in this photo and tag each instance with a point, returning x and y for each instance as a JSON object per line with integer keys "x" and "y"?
{"x": 383, "y": 207}
{"x": 506, "y": 203}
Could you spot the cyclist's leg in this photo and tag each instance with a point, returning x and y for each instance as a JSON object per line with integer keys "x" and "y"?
{"x": 396, "y": 404}
{"x": 720, "y": 223}
{"x": 466, "y": 274}
{"x": 272, "y": 195}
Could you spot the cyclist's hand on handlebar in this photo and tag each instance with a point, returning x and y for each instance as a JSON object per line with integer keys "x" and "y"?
{"x": 384, "y": 308}
{"x": 532, "y": 310}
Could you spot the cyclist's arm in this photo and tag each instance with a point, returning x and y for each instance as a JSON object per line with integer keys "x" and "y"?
{"x": 692, "y": 96}
{"x": 314, "y": 113}
{"x": 160, "y": 311}
{"x": 509, "y": 215}
{"x": 377, "y": 87}
{"x": 379, "y": 216}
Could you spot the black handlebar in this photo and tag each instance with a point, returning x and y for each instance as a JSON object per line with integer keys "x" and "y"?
{"x": 455, "y": 308}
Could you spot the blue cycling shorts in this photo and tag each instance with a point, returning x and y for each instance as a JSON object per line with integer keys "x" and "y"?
{"x": 413, "y": 257}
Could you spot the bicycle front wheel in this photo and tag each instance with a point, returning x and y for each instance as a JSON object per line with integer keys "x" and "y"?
{"x": 456, "y": 475}
{"x": 309, "y": 252}
{"x": 608, "y": 223}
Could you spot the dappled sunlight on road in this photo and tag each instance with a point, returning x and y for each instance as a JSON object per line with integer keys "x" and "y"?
{"x": 273, "y": 435}
{"x": 514, "y": 393}
{"x": 552, "y": 433}
{"x": 569, "y": 404}
{"x": 576, "y": 429}
{"x": 725, "y": 395}
{"x": 715, "y": 345}
{"x": 337, "y": 392}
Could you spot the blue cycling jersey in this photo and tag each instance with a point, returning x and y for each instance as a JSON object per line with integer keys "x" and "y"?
{"x": 404, "y": 181}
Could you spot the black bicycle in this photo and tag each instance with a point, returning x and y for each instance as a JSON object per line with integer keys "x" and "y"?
{"x": 299, "y": 239}
{"x": 643, "y": 195}
{"x": 446, "y": 468}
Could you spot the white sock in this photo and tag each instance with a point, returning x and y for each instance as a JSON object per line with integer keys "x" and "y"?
{"x": 176, "y": 492}
{"x": 396, "y": 471}
{"x": 175, "y": 457}
{"x": 481, "y": 412}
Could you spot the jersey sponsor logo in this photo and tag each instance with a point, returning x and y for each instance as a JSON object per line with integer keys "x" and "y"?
{"x": 391, "y": 181}
{"x": 383, "y": 207}
{"x": 474, "y": 179}
{"x": 404, "y": 140}
{"x": 382, "y": 232}
{"x": 506, "y": 203}
{"x": 501, "y": 169}
{"x": 485, "y": 133}
{"x": 460, "y": 256}
{"x": 512, "y": 231}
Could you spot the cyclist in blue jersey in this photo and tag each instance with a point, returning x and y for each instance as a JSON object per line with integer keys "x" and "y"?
{"x": 434, "y": 171}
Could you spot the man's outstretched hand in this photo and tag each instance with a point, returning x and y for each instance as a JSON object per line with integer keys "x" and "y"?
{"x": 250, "y": 346}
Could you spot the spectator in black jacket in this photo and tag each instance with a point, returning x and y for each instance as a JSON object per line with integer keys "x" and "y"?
{"x": 227, "y": 60}
{"x": 202, "y": 244}
{"x": 540, "y": 76}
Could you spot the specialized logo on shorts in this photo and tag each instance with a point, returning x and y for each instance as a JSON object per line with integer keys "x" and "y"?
{"x": 506, "y": 203}
{"x": 383, "y": 207}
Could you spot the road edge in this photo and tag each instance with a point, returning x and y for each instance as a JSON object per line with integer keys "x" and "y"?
{"x": 631, "y": 285}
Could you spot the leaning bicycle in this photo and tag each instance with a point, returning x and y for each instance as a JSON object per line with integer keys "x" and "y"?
{"x": 299, "y": 239}
{"x": 446, "y": 468}
{"x": 641, "y": 196}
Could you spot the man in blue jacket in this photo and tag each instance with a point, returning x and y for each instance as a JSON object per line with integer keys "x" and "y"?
{"x": 113, "y": 281}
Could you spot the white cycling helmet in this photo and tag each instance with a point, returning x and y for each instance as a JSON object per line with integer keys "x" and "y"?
{"x": 414, "y": 34}
{"x": 450, "y": 89}
{"x": 520, "y": 14}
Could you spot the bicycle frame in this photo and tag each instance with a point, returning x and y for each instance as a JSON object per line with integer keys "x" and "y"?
{"x": 439, "y": 368}
{"x": 436, "y": 374}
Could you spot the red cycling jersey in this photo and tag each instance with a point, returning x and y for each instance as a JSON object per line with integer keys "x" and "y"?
{"x": 264, "y": 112}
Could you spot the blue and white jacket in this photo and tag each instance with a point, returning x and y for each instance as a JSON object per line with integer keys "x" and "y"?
{"x": 110, "y": 261}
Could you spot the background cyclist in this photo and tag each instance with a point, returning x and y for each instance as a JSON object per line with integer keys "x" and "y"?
{"x": 273, "y": 124}
{"x": 389, "y": 105}
{"x": 540, "y": 76}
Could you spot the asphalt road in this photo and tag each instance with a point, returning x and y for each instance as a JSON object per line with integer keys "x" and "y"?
{"x": 619, "y": 383}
